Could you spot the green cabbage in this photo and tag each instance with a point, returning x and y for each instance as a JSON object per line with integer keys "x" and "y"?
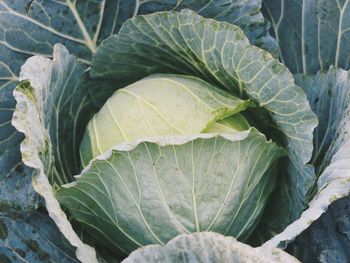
{"x": 165, "y": 124}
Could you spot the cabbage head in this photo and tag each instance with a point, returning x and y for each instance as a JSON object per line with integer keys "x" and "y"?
{"x": 156, "y": 132}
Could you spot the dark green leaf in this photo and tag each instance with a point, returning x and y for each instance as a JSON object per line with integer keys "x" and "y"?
{"x": 32, "y": 237}
{"x": 312, "y": 34}
{"x": 15, "y": 178}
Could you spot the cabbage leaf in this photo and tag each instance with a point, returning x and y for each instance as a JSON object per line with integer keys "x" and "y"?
{"x": 183, "y": 184}
{"x": 329, "y": 95}
{"x": 190, "y": 248}
{"x": 312, "y": 34}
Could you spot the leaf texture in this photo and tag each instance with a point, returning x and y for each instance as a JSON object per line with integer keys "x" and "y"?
{"x": 183, "y": 184}
{"x": 329, "y": 94}
{"x": 312, "y": 34}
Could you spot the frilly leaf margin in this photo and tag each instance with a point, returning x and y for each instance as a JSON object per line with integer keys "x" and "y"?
{"x": 30, "y": 150}
{"x": 216, "y": 247}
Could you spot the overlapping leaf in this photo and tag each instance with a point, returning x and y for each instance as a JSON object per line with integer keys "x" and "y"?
{"x": 312, "y": 34}
{"x": 62, "y": 108}
{"x": 219, "y": 53}
{"x": 162, "y": 104}
{"x": 33, "y": 27}
{"x": 329, "y": 94}
{"x": 245, "y": 14}
{"x": 183, "y": 184}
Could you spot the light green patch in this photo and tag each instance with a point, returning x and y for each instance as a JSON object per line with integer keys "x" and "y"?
{"x": 162, "y": 104}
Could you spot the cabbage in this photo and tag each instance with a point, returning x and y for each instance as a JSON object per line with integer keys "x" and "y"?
{"x": 153, "y": 123}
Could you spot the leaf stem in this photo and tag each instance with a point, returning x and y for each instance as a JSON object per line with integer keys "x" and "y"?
{"x": 88, "y": 41}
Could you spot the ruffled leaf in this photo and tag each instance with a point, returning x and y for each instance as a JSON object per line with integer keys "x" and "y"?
{"x": 49, "y": 113}
{"x": 151, "y": 190}
{"x": 329, "y": 94}
{"x": 206, "y": 248}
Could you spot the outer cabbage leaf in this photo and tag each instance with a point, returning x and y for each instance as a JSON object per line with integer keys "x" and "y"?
{"x": 161, "y": 104}
{"x": 312, "y": 34}
{"x": 206, "y": 248}
{"x": 329, "y": 236}
{"x": 150, "y": 190}
{"x": 329, "y": 94}
{"x": 219, "y": 53}
{"x": 49, "y": 112}
{"x": 32, "y": 237}
{"x": 62, "y": 108}
{"x": 245, "y": 14}
{"x": 33, "y": 27}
